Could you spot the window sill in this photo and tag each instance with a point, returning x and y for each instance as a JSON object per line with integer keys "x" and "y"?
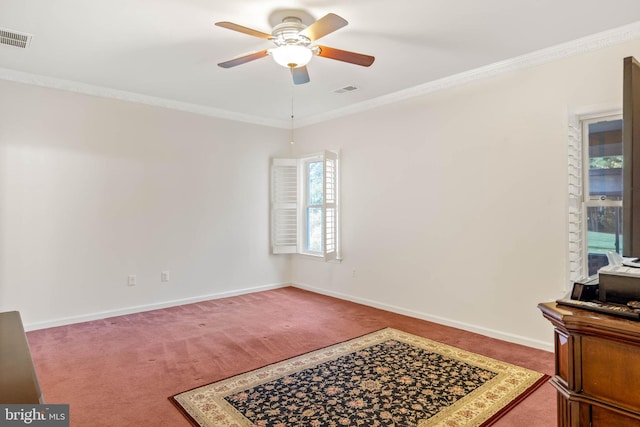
{"x": 319, "y": 258}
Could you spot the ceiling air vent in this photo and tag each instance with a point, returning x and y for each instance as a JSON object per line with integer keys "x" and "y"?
{"x": 13, "y": 38}
{"x": 346, "y": 89}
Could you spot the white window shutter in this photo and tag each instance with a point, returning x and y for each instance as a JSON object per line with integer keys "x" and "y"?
{"x": 284, "y": 206}
{"x": 330, "y": 226}
{"x": 576, "y": 208}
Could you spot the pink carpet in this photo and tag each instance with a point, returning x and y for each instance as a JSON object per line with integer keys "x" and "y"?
{"x": 120, "y": 371}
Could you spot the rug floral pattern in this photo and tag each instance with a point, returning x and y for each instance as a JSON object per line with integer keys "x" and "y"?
{"x": 388, "y": 378}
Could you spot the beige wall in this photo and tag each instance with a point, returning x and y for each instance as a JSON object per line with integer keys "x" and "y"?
{"x": 93, "y": 190}
{"x": 455, "y": 203}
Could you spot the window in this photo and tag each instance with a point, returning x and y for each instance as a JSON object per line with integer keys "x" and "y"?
{"x": 304, "y": 205}
{"x": 595, "y": 193}
{"x": 603, "y": 190}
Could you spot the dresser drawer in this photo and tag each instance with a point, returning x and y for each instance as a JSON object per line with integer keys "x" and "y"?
{"x": 602, "y": 417}
{"x": 611, "y": 372}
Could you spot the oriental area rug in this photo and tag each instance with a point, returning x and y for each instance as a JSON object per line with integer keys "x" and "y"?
{"x": 386, "y": 378}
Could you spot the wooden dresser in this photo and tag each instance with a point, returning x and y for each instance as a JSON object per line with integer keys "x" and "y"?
{"x": 18, "y": 379}
{"x": 597, "y": 367}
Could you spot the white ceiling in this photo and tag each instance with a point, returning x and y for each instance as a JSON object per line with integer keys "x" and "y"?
{"x": 165, "y": 52}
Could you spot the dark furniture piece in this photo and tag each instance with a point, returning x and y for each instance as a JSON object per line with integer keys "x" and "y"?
{"x": 597, "y": 367}
{"x": 18, "y": 380}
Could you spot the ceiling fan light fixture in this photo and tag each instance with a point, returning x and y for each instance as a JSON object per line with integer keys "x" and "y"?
{"x": 293, "y": 39}
{"x": 291, "y": 55}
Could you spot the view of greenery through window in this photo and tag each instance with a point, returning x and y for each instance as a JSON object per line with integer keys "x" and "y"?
{"x": 315, "y": 199}
{"x": 604, "y": 201}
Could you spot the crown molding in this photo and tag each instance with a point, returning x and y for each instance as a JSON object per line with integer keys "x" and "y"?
{"x": 104, "y": 92}
{"x": 554, "y": 53}
{"x": 575, "y": 47}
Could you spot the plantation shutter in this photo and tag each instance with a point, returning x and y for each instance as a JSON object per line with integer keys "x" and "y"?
{"x": 330, "y": 226}
{"x": 284, "y": 206}
{"x": 576, "y": 225}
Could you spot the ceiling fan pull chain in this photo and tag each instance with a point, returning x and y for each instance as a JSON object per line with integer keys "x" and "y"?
{"x": 292, "y": 116}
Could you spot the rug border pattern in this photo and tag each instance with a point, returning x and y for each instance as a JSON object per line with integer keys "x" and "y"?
{"x": 511, "y": 384}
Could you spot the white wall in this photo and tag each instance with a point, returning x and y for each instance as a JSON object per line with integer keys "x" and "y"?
{"x": 455, "y": 203}
{"x": 93, "y": 190}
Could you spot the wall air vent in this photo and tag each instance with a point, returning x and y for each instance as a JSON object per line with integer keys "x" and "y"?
{"x": 13, "y": 38}
{"x": 349, "y": 88}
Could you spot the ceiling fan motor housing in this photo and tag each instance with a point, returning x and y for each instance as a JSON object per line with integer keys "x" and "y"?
{"x": 288, "y": 33}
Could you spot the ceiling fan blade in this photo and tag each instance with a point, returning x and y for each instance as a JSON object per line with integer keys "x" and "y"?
{"x": 346, "y": 56}
{"x": 245, "y": 30}
{"x": 300, "y": 75}
{"x": 323, "y": 26}
{"x": 243, "y": 59}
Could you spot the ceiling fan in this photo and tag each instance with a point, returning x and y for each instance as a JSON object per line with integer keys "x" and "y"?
{"x": 294, "y": 45}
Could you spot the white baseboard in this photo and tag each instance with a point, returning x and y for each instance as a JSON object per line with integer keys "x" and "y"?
{"x": 504, "y": 336}
{"x": 542, "y": 345}
{"x": 147, "y": 307}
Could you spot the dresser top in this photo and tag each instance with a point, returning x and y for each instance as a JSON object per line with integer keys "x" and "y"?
{"x": 586, "y": 322}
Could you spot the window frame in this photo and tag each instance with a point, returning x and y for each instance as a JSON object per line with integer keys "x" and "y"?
{"x": 578, "y": 190}
{"x": 330, "y": 207}
{"x": 304, "y": 180}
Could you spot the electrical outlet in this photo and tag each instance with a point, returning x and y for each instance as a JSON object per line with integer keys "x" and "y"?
{"x": 164, "y": 276}
{"x": 131, "y": 280}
